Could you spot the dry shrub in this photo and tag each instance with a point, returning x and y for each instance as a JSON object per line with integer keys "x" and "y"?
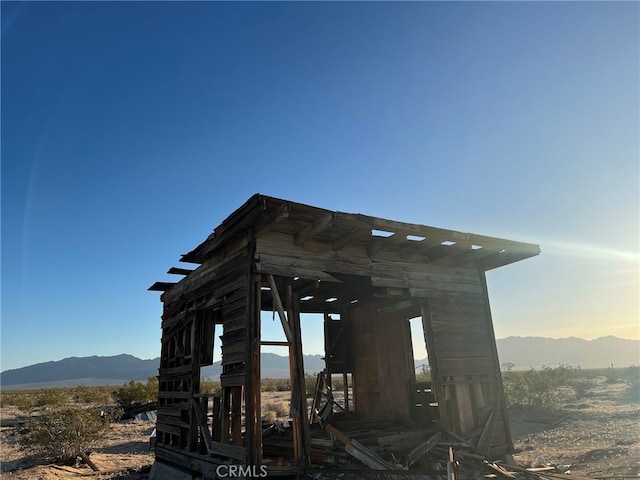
{"x": 22, "y": 400}
{"x": 274, "y": 410}
{"x": 134, "y": 393}
{"x": 63, "y": 434}
{"x": 210, "y": 386}
{"x": 539, "y": 388}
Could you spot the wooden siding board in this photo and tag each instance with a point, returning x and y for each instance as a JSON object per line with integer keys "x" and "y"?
{"x": 208, "y": 272}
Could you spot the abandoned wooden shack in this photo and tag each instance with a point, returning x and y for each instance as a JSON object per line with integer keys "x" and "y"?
{"x": 364, "y": 278}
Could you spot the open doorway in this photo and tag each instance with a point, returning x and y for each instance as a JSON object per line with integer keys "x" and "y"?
{"x": 423, "y": 401}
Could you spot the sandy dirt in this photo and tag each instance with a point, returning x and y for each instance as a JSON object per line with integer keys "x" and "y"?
{"x": 124, "y": 454}
{"x": 595, "y": 436}
{"x": 598, "y": 435}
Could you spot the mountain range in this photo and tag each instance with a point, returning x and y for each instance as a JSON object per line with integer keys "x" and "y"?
{"x": 523, "y": 352}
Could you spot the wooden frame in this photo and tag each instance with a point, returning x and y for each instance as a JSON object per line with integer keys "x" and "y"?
{"x": 273, "y": 254}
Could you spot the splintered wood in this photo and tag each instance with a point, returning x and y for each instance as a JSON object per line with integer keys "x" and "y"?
{"x": 394, "y": 447}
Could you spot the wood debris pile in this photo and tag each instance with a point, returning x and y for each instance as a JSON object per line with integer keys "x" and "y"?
{"x": 394, "y": 448}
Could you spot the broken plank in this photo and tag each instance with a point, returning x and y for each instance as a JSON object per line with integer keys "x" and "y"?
{"x": 396, "y": 438}
{"x": 85, "y": 458}
{"x": 486, "y": 437}
{"x": 202, "y": 424}
{"x": 421, "y": 450}
{"x": 499, "y": 469}
{"x": 359, "y": 451}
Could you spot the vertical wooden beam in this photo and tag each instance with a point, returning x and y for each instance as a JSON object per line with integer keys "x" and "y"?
{"x": 328, "y": 380}
{"x": 236, "y": 416}
{"x": 216, "y": 428}
{"x": 294, "y": 409}
{"x": 195, "y": 347}
{"x": 250, "y": 385}
{"x": 253, "y": 413}
{"x": 257, "y": 370}
{"x": 298, "y": 392}
{"x": 345, "y": 383}
{"x": 225, "y": 414}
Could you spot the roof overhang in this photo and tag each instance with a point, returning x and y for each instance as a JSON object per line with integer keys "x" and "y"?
{"x": 414, "y": 242}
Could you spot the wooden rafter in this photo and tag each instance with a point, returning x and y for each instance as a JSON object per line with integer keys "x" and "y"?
{"x": 312, "y": 229}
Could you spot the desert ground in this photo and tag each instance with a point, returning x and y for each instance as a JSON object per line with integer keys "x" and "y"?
{"x": 595, "y": 435}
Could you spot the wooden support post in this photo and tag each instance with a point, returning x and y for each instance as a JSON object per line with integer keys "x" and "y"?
{"x": 195, "y": 348}
{"x": 328, "y": 359}
{"x": 225, "y": 416}
{"x": 236, "y": 416}
{"x": 294, "y": 410}
{"x": 217, "y": 419}
{"x": 253, "y": 414}
{"x": 302, "y": 441}
{"x": 204, "y": 426}
{"x": 250, "y": 341}
{"x": 345, "y": 381}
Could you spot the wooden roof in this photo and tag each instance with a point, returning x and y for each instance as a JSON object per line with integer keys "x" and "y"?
{"x": 386, "y": 239}
{"x": 340, "y": 229}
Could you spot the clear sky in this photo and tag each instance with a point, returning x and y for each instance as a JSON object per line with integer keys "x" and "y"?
{"x": 131, "y": 129}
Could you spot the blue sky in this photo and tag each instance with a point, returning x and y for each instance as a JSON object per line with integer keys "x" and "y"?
{"x": 130, "y": 130}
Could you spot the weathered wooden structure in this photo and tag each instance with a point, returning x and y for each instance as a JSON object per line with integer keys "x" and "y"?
{"x": 368, "y": 276}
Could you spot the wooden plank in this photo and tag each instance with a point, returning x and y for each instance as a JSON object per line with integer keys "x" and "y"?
{"x": 233, "y": 358}
{"x": 312, "y": 229}
{"x": 398, "y": 306}
{"x": 179, "y": 271}
{"x": 173, "y": 409}
{"x": 274, "y": 343}
{"x": 454, "y": 367}
{"x": 419, "y": 451}
{"x": 226, "y": 450}
{"x": 383, "y": 243}
{"x": 202, "y": 425}
{"x": 172, "y": 371}
{"x": 181, "y": 395}
{"x": 359, "y": 451}
{"x": 293, "y": 269}
{"x": 352, "y": 236}
{"x": 400, "y": 438}
{"x": 235, "y": 379}
{"x": 498, "y": 469}
{"x": 163, "y": 427}
{"x": 451, "y": 466}
{"x": 209, "y": 272}
{"x": 486, "y": 437}
{"x": 253, "y": 430}
{"x": 236, "y": 415}
{"x": 171, "y": 420}
{"x": 199, "y": 462}
{"x": 161, "y": 286}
